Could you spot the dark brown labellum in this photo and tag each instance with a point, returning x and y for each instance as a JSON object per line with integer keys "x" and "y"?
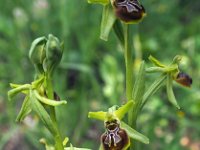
{"x": 184, "y": 79}
{"x": 114, "y": 138}
{"x": 129, "y": 10}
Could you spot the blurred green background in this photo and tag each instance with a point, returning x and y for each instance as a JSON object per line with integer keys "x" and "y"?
{"x": 91, "y": 73}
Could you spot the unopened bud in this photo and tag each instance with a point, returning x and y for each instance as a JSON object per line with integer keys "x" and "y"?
{"x": 37, "y": 53}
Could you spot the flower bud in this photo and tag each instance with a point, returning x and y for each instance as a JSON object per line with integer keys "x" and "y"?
{"x": 37, "y": 53}
{"x": 129, "y": 11}
{"x": 54, "y": 51}
{"x": 184, "y": 79}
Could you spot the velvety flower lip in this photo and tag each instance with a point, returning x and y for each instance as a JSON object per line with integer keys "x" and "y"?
{"x": 115, "y": 126}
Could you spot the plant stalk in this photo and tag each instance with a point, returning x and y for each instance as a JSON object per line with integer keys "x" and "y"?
{"x": 128, "y": 61}
{"x": 128, "y": 40}
{"x": 50, "y": 95}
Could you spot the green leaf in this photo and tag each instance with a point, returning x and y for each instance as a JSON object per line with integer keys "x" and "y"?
{"x": 43, "y": 115}
{"x": 138, "y": 91}
{"x": 170, "y": 92}
{"x": 108, "y": 19}
{"x": 25, "y": 109}
{"x": 139, "y": 87}
{"x": 154, "y": 87}
{"x": 103, "y": 2}
{"x": 47, "y": 101}
{"x": 118, "y": 29}
{"x": 134, "y": 134}
{"x": 17, "y": 90}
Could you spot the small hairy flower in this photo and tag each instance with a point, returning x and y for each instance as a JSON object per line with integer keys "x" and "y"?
{"x": 184, "y": 79}
{"x": 129, "y": 11}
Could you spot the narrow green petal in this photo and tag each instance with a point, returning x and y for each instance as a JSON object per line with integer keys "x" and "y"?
{"x": 123, "y": 109}
{"x": 134, "y": 134}
{"x": 37, "y": 82}
{"x": 50, "y": 102}
{"x": 177, "y": 59}
{"x": 103, "y": 2}
{"x": 100, "y": 115}
{"x": 156, "y": 62}
{"x": 17, "y": 90}
{"x": 170, "y": 92}
{"x": 108, "y": 19}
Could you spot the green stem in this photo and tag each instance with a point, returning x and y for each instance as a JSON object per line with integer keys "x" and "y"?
{"x": 50, "y": 95}
{"x": 128, "y": 61}
{"x": 129, "y": 67}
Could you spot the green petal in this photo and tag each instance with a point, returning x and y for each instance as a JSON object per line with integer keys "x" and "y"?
{"x": 123, "y": 109}
{"x": 47, "y": 101}
{"x": 103, "y": 2}
{"x": 156, "y": 62}
{"x": 170, "y": 92}
{"x": 134, "y": 134}
{"x": 100, "y": 115}
{"x": 108, "y": 19}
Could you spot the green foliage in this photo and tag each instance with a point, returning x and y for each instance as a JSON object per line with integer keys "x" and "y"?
{"x": 170, "y": 28}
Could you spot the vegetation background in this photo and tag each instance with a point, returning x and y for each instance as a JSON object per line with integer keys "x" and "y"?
{"x": 91, "y": 73}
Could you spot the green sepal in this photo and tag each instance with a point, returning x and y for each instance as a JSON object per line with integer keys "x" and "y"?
{"x": 170, "y": 93}
{"x": 108, "y": 19}
{"x": 163, "y": 70}
{"x": 124, "y": 109}
{"x": 100, "y": 115}
{"x": 25, "y": 109}
{"x": 17, "y": 90}
{"x": 134, "y": 134}
{"x": 47, "y": 101}
{"x": 42, "y": 113}
{"x": 118, "y": 30}
{"x": 103, "y": 2}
